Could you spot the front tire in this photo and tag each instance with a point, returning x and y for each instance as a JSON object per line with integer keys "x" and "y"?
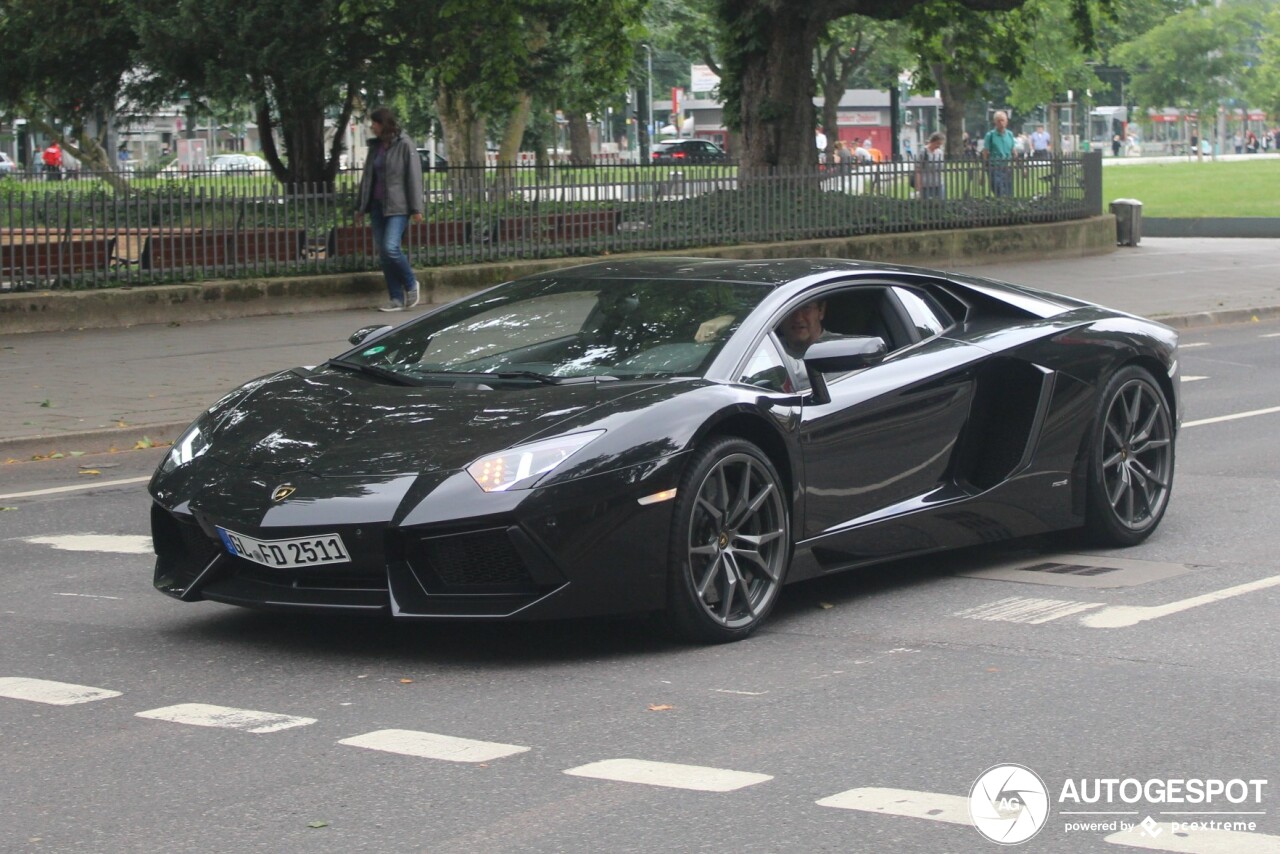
{"x": 1131, "y": 460}
{"x": 731, "y": 543}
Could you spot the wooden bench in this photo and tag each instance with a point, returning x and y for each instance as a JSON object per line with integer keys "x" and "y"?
{"x": 579, "y": 225}
{"x": 62, "y": 257}
{"x": 219, "y": 248}
{"x": 358, "y": 239}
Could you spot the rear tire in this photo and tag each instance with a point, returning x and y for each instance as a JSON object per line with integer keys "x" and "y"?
{"x": 731, "y": 543}
{"x": 1131, "y": 460}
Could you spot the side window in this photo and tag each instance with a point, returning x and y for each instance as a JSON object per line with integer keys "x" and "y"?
{"x": 927, "y": 315}
{"x": 766, "y": 368}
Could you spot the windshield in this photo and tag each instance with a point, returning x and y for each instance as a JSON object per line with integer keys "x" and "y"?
{"x": 573, "y": 327}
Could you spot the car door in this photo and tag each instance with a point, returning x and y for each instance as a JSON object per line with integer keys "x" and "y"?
{"x": 884, "y": 441}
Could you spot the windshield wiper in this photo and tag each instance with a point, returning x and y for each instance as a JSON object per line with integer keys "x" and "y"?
{"x": 545, "y": 379}
{"x": 373, "y": 371}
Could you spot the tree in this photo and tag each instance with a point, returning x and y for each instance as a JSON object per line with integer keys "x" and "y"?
{"x": 1197, "y": 59}
{"x": 768, "y": 93}
{"x": 63, "y": 67}
{"x": 1264, "y": 87}
{"x": 302, "y": 64}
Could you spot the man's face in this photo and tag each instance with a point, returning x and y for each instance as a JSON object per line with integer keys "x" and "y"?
{"x": 935, "y": 144}
{"x": 1002, "y": 122}
{"x": 804, "y": 325}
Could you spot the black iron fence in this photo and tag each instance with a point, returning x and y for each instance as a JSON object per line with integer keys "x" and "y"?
{"x": 84, "y": 233}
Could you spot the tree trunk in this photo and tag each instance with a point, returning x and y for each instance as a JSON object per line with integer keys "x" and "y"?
{"x": 955, "y": 96}
{"x": 579, "y": 140}
{"x": 776, "y": 103}
{"x": 464, "y": 134}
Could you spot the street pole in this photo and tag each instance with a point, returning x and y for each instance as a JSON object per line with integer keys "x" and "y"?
{"x": 648, "y": 104}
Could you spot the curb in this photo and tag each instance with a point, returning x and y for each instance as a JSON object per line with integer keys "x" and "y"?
{"x": 23, "y": 448}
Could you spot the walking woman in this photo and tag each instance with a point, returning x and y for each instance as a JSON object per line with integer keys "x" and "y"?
{"x": 391, "y": 193}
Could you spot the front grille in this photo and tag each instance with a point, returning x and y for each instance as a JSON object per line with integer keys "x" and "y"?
{"x": 313, "y": 580}
{"x": 182, "y": 549}
{"x": 482, "y": 561}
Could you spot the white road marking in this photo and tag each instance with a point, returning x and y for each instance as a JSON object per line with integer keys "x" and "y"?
{"x": 97, "y": 484}
{"x": 429, "y": 745}
{"x": 1271, "y": 335}
{"x": 200, "y": 714}
{"x": 1191, "y": 344}
{"x": 1160, "y": 836}
{"x": 1122, "y": 616}
{"x": 1193, "y": 379}
{"x": 127, "y": 544}
{"x": 740, "y": 693}
{"x": 1019, "y": 609}
{"x": 1232, "y": 417}
{"x": 694, "y": 777}
{"x": 953, "y": 809}
{"x": 53, "y": 693}
{"x": 89, "y": 596}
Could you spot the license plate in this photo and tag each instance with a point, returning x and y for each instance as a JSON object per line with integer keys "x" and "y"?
{"x": 286, "y": 554}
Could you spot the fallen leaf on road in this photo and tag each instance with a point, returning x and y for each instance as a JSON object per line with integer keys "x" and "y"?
{"x": 405, "y": 681}
{"x": 2, "y": 509}
{"x": 45, "y": 403}
{"x": 122, "y": 423}
{"x": 826, "y": 606}
{"x": 664, "y": 707}
{"x": 10, "y": 461}
{"x": 317, "y": 824}
{"x": 56, "y": 455}
{"x": 144, "y": 443}
{"x": 77, "y": 453}
{"x": 90, "y": 471}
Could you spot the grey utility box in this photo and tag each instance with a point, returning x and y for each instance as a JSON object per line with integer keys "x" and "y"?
{"x": 1128, "y": 221}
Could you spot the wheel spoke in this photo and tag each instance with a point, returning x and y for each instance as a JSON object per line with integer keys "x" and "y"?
{"x": 716, "y": 514}
{"x": 708, "y": 549}
{"x": 1153, "y": 445}
{"x": 732, "y": 582}
{"x": 739, "y": 589}
{"x": 713, "y": 569}
{"x": 1147, "y": 474}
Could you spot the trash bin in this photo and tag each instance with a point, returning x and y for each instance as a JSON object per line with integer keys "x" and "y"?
{"x": 1128, "y": 213}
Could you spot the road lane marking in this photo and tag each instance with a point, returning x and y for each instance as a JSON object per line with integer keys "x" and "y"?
{"x": 53, "y": 693}
{"x": 1161, "y": 836}
{"x": 79, "y": 486}
{"x": 430, "y": 745}
{"x": 694, "y": 777}
{"x": 1123, "y": 616}
{"x": 1271, "y": 335}
{"x": 1193, "y": 379}
{"x": 1188, "y": 345}
{"x": 1020, "y": 609}
{"x": 128, "y": 544}
{"x": 201, "y": 714}
{"x": 953, "y": 809}
{"x": 1231, "y": 417}
{"x": 90, "y": 596}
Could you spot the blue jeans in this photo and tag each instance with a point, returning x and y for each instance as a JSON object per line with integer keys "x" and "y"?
{"x": 1001, "y": 179}
{"x": 388, "y": 231}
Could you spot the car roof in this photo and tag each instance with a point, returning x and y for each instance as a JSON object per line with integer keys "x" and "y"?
{"x": 774, "y": 272}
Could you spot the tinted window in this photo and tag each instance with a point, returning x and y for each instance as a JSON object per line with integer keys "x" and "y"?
{"x": 927, "y": 315}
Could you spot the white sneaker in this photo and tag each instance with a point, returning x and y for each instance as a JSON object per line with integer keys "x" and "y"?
{"x": 391, "y": 306}
{"x": 412, "y": 298}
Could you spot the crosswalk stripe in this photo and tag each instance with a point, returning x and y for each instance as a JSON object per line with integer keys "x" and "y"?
{"x": 694, "y": 777}
{"x": 953, "y": 809}
{"x": 131, "y": 544}
{"x": 53, "y": 693}
{"x": 1018, "y": 609}
{"x": 201, "y": 714}
{"x": 1160, "y": 836}
{"x": 430, "y": 745}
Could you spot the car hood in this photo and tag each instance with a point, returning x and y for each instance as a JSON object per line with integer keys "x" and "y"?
{"x": 338, "y": 424}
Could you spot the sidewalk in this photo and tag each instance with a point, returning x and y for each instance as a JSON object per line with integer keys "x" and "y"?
{"x": 96, "y": 389}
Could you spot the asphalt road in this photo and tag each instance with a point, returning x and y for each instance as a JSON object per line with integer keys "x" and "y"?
{"x": 914, "y": 677}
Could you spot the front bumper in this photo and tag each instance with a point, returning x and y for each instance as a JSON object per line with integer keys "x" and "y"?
{"x": 442, "y": 550}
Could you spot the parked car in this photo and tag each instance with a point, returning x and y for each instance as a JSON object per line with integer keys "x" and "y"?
{"x": 441, "y": 163}
{"x": 223, "y": 163}
{"x": 688, "y": 151}
{"x": 669, "y": 434}
{"x": 7, "y": 166}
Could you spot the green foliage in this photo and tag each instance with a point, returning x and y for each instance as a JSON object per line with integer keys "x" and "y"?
{"x": 1196, "y": 58}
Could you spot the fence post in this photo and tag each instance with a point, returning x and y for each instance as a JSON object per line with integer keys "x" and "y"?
{"x": 1092, "y": 161}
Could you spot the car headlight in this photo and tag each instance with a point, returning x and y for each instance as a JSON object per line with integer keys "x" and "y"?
{"x": 519, "y": 467}
{"x": 189, "y": 445}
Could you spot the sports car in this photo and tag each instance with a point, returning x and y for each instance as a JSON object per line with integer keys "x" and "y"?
{"x": 681, "y": 436}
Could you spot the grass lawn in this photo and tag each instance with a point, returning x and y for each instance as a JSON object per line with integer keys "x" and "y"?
{"x": 1236, "y": 188}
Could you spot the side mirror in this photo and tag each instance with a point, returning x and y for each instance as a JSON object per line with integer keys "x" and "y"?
{"x": 369, "y": 333}
{"x": 840, "y": 354}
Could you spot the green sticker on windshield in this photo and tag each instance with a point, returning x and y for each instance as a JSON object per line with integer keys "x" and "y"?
{"x": 373, "y": 351}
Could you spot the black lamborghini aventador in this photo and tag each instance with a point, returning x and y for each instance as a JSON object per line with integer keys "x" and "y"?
{"x": 676, "y": 435}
